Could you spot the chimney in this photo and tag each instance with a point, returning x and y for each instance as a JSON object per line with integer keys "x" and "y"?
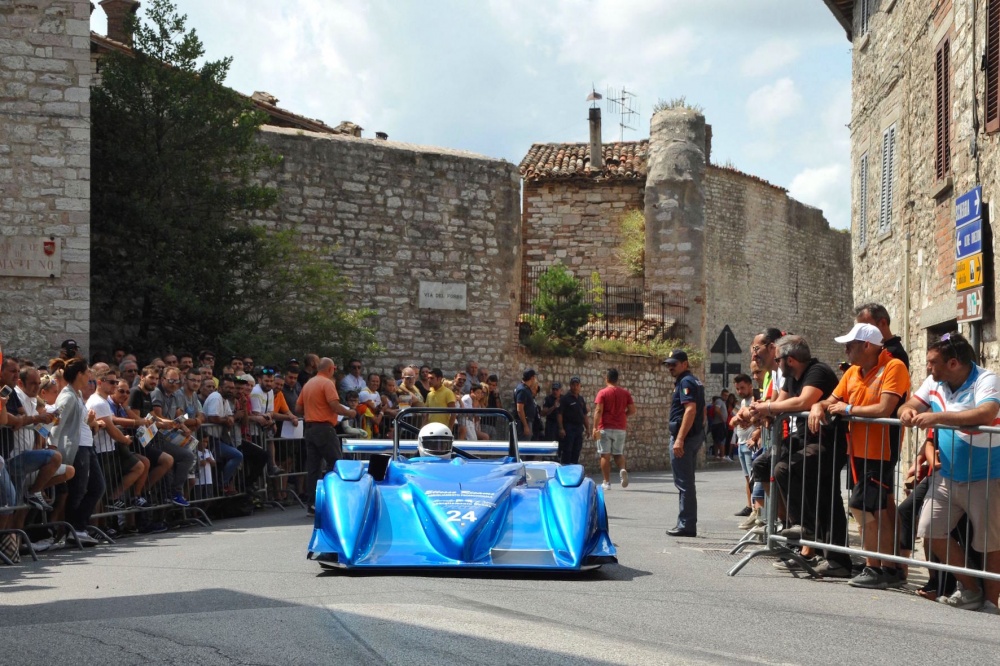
{"x": 118, "y": 13}
{"x": 596, "y": 150}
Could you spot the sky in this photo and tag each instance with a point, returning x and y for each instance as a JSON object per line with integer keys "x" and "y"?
{"x": 495, "y": 76}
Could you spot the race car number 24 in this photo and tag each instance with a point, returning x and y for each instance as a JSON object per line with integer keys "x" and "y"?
{"x": 455, "y": 516}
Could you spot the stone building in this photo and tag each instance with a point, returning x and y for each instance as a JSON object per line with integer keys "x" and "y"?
{"x": 925, "y": 128}
{"x": 729, "y": 248}
{"x": 44, "y": 174}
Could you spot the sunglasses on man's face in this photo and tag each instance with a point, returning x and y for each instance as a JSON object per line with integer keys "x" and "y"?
{"x": 172, "y": 381}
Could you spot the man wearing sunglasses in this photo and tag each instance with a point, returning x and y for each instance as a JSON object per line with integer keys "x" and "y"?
{"x": 353, "y": 380}
{"x": 167, "y": 406}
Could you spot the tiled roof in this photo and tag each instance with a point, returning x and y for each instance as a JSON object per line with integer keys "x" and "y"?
{"x": 549, "y": 161}
{"x": 276, "y": 116}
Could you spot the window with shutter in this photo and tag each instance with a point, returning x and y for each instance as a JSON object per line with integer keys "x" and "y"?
{"x": 993, "y": 66}
{"x": 863, "y": 201}
{"x": 942, "y": 98}
{"x": 888, "y": 179}
{"x": 864, "y": 13}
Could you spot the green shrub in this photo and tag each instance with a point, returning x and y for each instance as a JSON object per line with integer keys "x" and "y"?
{"x": 632, "y": 251}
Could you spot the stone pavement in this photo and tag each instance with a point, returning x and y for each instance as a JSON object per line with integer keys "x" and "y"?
{"x": 243, "y": 593}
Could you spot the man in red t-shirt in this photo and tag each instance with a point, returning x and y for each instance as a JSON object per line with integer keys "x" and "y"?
{"x": 614, "y": 406}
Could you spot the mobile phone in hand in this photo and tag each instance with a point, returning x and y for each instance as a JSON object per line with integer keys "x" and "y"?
{"x": 5, "y": 392}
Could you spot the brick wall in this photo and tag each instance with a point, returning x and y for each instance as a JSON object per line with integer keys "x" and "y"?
{"x": 772, "y": 261}
{"x": 45, "y": 168}
{"x": 647, "y": 444}
{"x": 390, "y": 215}
{"x": 577, "y": 223}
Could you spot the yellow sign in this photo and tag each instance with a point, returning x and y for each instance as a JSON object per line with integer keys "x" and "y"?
{"x": 969, "y": 272}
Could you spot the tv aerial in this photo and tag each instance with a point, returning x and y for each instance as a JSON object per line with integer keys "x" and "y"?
{"x": 625, "y": 105}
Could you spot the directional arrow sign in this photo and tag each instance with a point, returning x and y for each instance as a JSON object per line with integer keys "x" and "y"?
{"x": 969, "y": 272}
{"x": 725, "y": 355}
{"x": 969, "y": 239}
{"x": 969, "y": 206}
{"x": 970, "y": 305}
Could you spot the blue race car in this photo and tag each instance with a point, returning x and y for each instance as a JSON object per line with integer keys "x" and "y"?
{"x": 447, "y": 507}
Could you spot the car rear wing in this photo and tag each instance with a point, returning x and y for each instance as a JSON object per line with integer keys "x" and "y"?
{"x": 479, "y": 447}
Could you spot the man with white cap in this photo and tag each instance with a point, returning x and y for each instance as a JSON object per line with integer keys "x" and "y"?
{"x": 873, "y": 387}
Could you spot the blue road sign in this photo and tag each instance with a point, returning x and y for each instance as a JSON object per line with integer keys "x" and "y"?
{"x": 969, "y": 206}
{"x": 969, "y": 239}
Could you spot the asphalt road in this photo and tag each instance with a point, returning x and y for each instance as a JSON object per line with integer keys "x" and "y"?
{"x": 242, "y": 592}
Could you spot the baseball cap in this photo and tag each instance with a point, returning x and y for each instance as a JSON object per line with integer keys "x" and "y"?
{"x": 862, "y": 333}
{"x": 676, "y": 356}
{"x": 556, "y": 385}
{"x": 69, "y": 344}
{"x": 574, "y": 380}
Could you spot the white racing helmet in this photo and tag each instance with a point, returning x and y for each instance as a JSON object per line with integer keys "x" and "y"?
{"x": 435, "y": 439}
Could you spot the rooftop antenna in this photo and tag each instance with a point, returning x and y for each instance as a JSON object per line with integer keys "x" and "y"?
{"x": 626, "y": 105}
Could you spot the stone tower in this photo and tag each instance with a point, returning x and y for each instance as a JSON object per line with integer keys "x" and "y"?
{"x": 675, "y": 213}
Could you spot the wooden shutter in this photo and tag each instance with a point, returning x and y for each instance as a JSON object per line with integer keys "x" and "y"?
{"x": 888, "y": 179}
{"x": 863, "y": 203}
{"x": 942, "y": 95}
{"x": 993, "y": 66}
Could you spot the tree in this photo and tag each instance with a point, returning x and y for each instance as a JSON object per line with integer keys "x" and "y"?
{"x": 176, "y": 165}
{"x": 632, "y": 250}
{"x": 561, "y": 309}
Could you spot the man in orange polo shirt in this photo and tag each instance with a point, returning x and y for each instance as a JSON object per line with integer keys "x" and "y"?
{"x": 873, "y": 387}
{"x": 320, "y": 405}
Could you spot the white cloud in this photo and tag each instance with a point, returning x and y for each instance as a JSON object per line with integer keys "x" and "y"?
{"x": 770, "y": 57}
{"x": 827, "y": 188}
{"x": 770, "y": 104}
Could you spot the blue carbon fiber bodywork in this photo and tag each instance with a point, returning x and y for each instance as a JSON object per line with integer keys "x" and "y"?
{"x": 462, "y": 513}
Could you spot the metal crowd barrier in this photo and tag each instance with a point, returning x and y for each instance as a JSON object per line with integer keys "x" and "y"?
{"x": 808, "y": 473}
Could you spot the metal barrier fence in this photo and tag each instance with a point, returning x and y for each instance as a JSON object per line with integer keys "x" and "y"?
{"x": 949, "y": 497}
{"x": 270, "y": 471}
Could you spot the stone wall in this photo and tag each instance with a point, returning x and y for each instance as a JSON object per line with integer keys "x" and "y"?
{"x": 772, "y": 261}
{"x": 647, "y": 445}
{"x": 577, "y": 223}
{"x": 45, "y": 168}
{"x": 391, "y": 215}
{"x": 910, "y": 266}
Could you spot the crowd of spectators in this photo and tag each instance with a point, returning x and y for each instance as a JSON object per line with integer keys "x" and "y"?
{"x": 130, "y": 442}
{"x": 953, "y": 481}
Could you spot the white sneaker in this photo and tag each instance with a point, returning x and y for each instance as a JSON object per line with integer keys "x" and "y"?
{"x": 86, "y": 539}
{"x": 623, "y": 475}
{"x": 606, "y": 485}
{"x": 58, "y": 544}
{"x": 964, "y": 599}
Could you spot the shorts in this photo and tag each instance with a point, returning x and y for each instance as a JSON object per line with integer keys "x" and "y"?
{"x": 27, "y": 462}
{"x": 746, "y": 459}
{"x": 612, "y": 442}
{"x": 116, "y": 464}
{"x": 761, "y": 467}
{"x": 947, "y": 501}
{"x": 719, "y": 433}
{"x": 874, "y": 484}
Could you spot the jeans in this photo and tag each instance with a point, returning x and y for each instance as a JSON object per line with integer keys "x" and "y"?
{"x": 85, "y": 489}
{"x": 228, "y": 456}
{"x": 322, "y": 444}
{"x": 8, "y": 496}
{"x": 572, "y": 444}
{"x": 683, "y": 471}
{"x": 184, "y": 462}
{"x": 746, "y": 459}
